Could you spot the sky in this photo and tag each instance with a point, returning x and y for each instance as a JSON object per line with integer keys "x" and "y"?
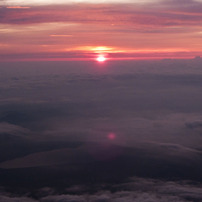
{"x": 82, "y": 29}
{"x": 100, "y": 101}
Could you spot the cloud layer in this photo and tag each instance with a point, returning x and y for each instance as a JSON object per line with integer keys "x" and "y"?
{"x": 80, "y": 130}
{"x": 138, "y": 190}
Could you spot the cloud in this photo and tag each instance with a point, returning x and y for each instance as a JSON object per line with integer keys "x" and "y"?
{"x": 104, "y": 14}
{"x": 195, "y": 124}
{"x": 12, "y": 129}
{"x": 47, "y": 158}
{"x": 108, "y": 197}
{"x": 45, "y": 2}
{"x": 15, "y": 199}
{"x": 28, "y": 33}
{"x": 179, "y": 190}
{"x": 151, "y": 108}
{"x": 136, "y": 190}
{"x": 69, "y": 198}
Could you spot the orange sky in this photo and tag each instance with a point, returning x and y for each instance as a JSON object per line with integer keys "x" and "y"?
{"x": 152, "y": 29}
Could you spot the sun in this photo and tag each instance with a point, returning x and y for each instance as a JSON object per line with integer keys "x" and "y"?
{"x": 101, "y": 58}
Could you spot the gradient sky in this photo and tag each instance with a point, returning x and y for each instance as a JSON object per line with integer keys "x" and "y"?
{"x": 66, "y": 30}
{"x": 76, "y": 129}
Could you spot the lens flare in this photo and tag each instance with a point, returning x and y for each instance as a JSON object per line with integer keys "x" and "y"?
{"x": 111, "y": 136}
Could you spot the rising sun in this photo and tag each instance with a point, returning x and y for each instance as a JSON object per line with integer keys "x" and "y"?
{"x": 101, "y": 58}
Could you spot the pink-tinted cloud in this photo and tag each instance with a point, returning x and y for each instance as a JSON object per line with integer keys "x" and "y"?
{"x": 117, "y": 14}
{"x": 126, "y": 28}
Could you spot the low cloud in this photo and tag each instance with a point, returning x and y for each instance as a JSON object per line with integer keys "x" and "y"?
{"x": 136, "y": 190}
{"x": 194, "y": 124}
{"x": 83, "y": 143}
{"x": 16, "y": 199}
{"x": 7, "y": 128}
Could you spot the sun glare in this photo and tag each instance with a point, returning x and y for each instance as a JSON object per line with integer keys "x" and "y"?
{"x": 101, "y": 58}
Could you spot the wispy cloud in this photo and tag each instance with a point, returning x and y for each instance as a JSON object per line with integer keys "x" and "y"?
{"x": 115, "y": 14}
{"x": 47, "y": 2}
{"x": 129, "y": 27}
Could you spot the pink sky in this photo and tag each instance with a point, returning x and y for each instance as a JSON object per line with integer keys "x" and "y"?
{"x": 47, "y": 30}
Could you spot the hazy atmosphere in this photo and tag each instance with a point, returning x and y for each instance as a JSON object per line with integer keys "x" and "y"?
{"x": 119, "y": 130}
{"x": 100, "y": 102}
